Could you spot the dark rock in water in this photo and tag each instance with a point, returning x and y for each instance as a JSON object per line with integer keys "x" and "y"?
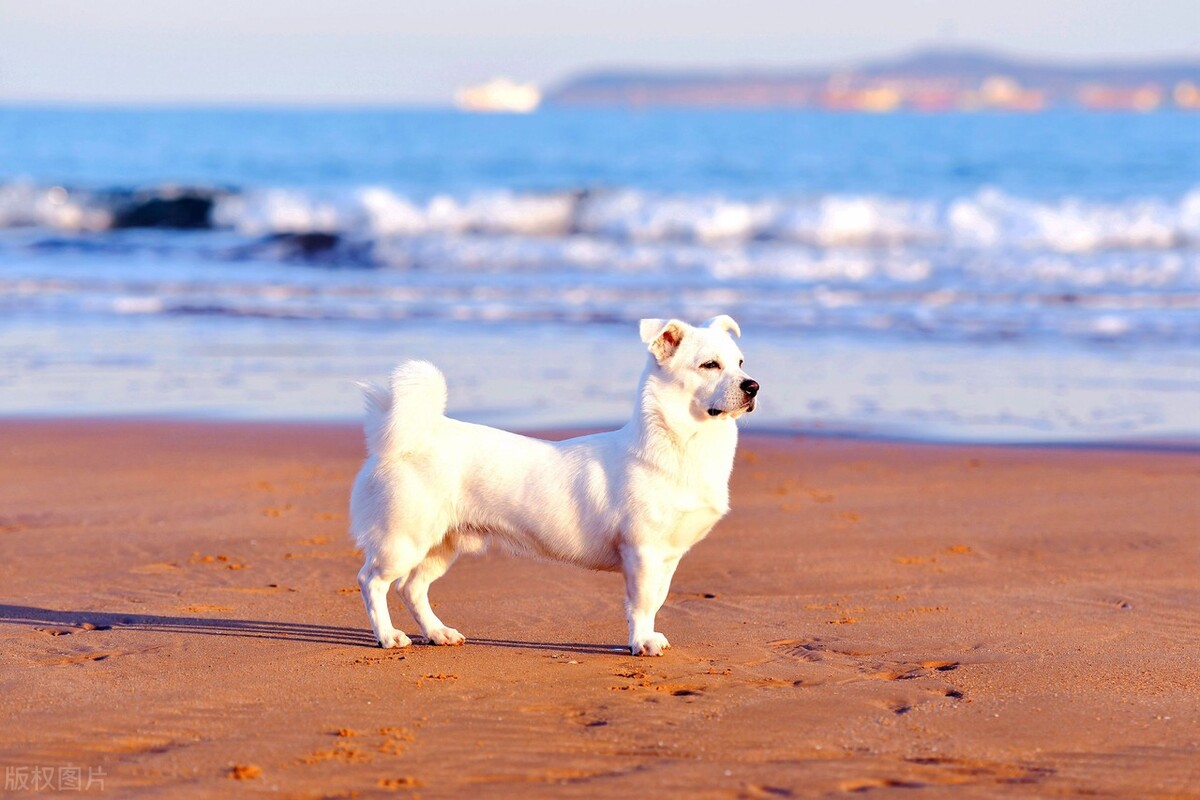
{"x": 186, "y": 211}
{"x": 315, "y": 248}
{"x": 308, "y": 244}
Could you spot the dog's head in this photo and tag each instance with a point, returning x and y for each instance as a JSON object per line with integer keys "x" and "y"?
{"x": 703, "y": 364}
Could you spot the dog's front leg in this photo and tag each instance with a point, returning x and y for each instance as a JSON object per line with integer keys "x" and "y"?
{"x": 648, "y": 574}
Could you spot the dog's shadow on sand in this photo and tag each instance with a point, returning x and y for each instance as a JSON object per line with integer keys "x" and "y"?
{"x": 61, "y": 623}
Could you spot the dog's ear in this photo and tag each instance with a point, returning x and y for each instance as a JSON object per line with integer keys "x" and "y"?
{"x": 662, "y": 336}
{"x": 724, "y": 322}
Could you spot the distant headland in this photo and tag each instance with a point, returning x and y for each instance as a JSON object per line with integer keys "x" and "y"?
{"x": 928, "y": 80}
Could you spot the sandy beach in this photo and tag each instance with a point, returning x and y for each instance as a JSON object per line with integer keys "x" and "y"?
{"x": 179, "y": 614}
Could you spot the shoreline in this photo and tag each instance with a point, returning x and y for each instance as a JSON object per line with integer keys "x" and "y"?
{"x": 179, "y": 611}
{"x": 272, "y": 370}
{"x": 1183, "y": 444}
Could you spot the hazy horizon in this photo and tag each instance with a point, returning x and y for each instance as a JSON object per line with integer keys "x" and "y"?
{"x": 305, "y": 53}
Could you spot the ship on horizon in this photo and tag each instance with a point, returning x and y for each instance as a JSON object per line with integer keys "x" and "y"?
{"x": 499, "y": 95}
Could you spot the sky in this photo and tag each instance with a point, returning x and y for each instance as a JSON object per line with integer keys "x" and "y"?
{"x": 385, "y": 51}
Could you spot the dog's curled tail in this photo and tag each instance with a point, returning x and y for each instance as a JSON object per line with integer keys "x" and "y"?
{"x": 401, "y": 418}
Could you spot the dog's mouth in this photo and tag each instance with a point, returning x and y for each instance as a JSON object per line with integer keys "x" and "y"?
{"x": 747, "y": 408}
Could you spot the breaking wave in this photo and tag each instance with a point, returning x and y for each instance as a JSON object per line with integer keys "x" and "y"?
{"x": 989, "y": 218}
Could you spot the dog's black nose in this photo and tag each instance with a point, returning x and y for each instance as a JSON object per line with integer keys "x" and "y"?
{"x": 750, "y": 387}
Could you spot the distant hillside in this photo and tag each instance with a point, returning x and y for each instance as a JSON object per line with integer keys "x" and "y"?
{"x": 937, "y": 79}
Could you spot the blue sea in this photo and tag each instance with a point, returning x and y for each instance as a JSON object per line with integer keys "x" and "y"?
{"x": 969, "y": 277}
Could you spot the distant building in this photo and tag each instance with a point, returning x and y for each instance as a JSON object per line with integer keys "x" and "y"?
{"x": 873, "y": 98}
{"x": 499, "y": 95}
{"x": 1005, "y": 94}
{"x": 1099, "y": 97}
{"x": 934, "y": 95}
{"x": 1187, "y": 95}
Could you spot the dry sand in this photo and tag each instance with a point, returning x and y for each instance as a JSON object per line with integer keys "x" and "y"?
{"x": 178, "y": 611}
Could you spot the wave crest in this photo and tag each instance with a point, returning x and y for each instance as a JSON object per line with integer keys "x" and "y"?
{"x": 987, "y": 219}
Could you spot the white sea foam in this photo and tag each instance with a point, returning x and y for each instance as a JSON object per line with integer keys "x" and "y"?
{"x": 992, "y": 218}
{"x": 24, "y": 204}
{"x": 279, "y": 211}
{"x": 986, "y": 219}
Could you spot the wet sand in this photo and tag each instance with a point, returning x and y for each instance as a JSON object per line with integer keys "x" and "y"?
{"x": 179, "y": 614}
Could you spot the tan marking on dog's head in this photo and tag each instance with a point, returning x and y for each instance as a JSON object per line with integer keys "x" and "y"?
{"x": 662, "y": 337}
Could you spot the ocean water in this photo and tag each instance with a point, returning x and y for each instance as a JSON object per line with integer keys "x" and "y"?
{"x": 968, "y": 277}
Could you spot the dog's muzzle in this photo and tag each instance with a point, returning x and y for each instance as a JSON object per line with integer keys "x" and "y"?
{"x": 750, "y": 389}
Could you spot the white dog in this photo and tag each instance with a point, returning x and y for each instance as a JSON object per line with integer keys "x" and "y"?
{"x": 634, "y": 500}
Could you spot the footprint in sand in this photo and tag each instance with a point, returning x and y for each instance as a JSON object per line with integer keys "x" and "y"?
{"x": 867, "y": 784}
{"x": 245, "y": 772}
{"x": 95, "y": 656}
{"x": 348, "y": 746}
{"x": 342, "y": 751}
{"x": 219, "y": 560}
{"x": 764, "y": 790}
{"x": 82, "y": 627}
{"x": 388, "y": 655}
{"x": 55, "y": 631}
{"x": 863, "y": 661}
{"x": 407, "y": 782}
{"x": 396, "y": 732}
{"x": 80, "y": 659}
{"x": 937, "y": 770}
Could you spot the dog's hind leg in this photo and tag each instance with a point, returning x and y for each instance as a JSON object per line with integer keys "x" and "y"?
{"x": 374, "y": 583}
{"x": 415, "y": 593}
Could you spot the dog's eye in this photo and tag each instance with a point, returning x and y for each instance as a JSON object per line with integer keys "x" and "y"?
{"x": 710, "y": 365}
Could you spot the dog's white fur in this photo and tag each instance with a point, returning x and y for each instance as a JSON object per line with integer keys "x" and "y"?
{"x": 634, "y": 499}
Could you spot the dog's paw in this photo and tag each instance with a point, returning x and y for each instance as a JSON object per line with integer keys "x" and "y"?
{"x": 445, "y": 636}
{"x": 394, "y": 638}
{"x": 653, "y": 645}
